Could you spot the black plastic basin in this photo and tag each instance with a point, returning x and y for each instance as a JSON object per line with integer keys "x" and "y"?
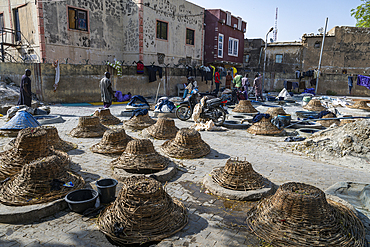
{"x": 80, "y": 200}
{"x": 107, "y": 189}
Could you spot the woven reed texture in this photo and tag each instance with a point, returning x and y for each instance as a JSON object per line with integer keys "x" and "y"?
{"x": 314, "y": 105}
{"x": 244, "y": 106}
{"x": 143, "y": 212}
{"x": 187, "y": 144}
{"x": 328, "y": 123}
{"x": 89, "y": 126}
{"x": 139, "y": 122}
{"x": 30, "y": 144}
{"x": 275, "y": 111}
{"x": 140, "y": 157}
{"x": 163, "y": 129}
{"x": 239, "y": 175}
{"x": 346, "y": 121}
{"x": 300, "y": 215}
{"x": 113, "y": 142}
{"x": 33, "y": 185}
{"x": 106, "y": 117}
{"x": 360, "y": 105}
{"x": 53, "y": 140}
{"x": 264, "y": 127}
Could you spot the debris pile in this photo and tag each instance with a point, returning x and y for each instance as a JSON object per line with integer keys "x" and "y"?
{"x": 9, "y": 93}
{"x": 350, "y": 139}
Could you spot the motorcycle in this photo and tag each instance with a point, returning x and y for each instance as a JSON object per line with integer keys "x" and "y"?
{"x": 213, "y": 109}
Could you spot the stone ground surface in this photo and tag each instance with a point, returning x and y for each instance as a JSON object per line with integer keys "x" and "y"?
{"x": 213, "y": 221}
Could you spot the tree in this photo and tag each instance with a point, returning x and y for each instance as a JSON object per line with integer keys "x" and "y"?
{"x": 362, "y": 14}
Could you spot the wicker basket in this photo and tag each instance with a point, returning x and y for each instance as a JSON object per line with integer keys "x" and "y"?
{"x": 264, "y": 127}
{"x": 140, "y": 157}
{"x": 30, "y": 144}
{"x": 106, "y": 117}
{"x": 187, "y": 144}
{"x": 239, "y": 175}
{"x": 245, "y": 106}
{"x": 113, "y": 142}
{"x": 299, "y": 215}
{"x": 143, "y": 212}
{"x": 87, "y": 127}
{"x": 163, "y": 129}
{"x": 328, "y": 123}
{"x": 139, "y": 122}
{"x": 275, "y": 111}
{"x": 314, "y": 105}
{"x": 40, "y": 181}
{"x": 360, "y": 105}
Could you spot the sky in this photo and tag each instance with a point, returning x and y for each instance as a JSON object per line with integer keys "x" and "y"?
{"x": 295, "y": 17}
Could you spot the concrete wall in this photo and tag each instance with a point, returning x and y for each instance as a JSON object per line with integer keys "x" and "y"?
{"x": 102, "y": 42}
{"x": 28, "y": 21}
{"x": 80, "y": 83}
{"x": 180, "y": 15}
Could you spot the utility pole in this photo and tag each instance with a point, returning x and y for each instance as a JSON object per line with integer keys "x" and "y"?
{"x": 264, "y": 61}
{"x": 322, "y": 48}
{"x": 276, "y": 29}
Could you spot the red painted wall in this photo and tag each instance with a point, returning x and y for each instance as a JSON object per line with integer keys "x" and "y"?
{"x": 214, "y": 27}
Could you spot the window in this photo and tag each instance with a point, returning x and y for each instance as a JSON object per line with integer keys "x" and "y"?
{"x": 77, "y": 19}
{"x": 233, "y": 47}
{"x": 17, "y": 25}
{"x": 239, "y": 23}
{"x": 1, "y": 22}
{"x": 162, "y": 30}
{"x": 247, "y": 58}
{"x": 278, "y": 58}
{"x": 317, "y": 44}
{"x": 189, "y": 36}
{"x": 220, "y": 52}
{"x": 228, "y": 18}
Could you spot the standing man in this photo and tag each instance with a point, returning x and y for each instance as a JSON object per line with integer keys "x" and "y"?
{"x": 245, "y": 85}
{"x": 217, "y": 81}
{"x": 106, "y": 90}
{"x": 229, "y": 78}
{"x": 257, "y": 84}
{"x": 25, "y": 94}
{"x": 238, "y": 81}
{"x": 350, "y": 83}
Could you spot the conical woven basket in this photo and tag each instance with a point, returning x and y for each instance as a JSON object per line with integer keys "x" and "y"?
{"x": 143, "y": 212}
{"x": 360, "y": 105}
{"x": 106, "y": 117}
{"x": 300, "y": 215}
{"x": 163, "y": 129}
{"x": 244, "y": 106}
{"x": 275, "y": 111}
{"x": 346, "y": 121}
{"x": 40, "y": 181}
{"x": 140, "y": 157}
{"x": 264, "y": 127}
{"x": 314, "y": 105}
{"x": 89, "y": 126}
{"x": 113, "y": 142}
{"x": 328, "y": 123}
{"x": 53, "y": 140}
{"x": 30, "y": 144}
{"x": 139, "y": 122}
{"x": 187, "y": 144}
{"x": 239, "y": 175}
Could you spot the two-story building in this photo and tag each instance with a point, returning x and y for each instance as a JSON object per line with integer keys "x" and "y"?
{"x": 97, "y": 31}
{"x": 224, "y": 39}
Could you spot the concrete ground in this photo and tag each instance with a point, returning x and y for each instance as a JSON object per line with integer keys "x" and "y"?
{"x": 213, "y": 221}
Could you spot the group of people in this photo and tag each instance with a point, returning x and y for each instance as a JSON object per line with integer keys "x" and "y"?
{"x": 242, "y": 83}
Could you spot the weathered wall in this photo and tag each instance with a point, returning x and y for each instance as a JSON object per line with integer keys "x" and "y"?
{"x": 345, "y": 48}
{"x": 102, "y": 42}
{"x": 253, "y": 48}
{"x": 28, "y": 27}
{"x": 292, "y": 57}
{"x": 80, "y": 83}
{"x": 180, "y": 15}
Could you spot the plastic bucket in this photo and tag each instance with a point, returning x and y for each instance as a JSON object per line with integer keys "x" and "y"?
{"x": 305, "y": 100}
{"x": 80, "y": 200}
{"x": 107, "y": 189}
{"x": 285, "y": 119}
